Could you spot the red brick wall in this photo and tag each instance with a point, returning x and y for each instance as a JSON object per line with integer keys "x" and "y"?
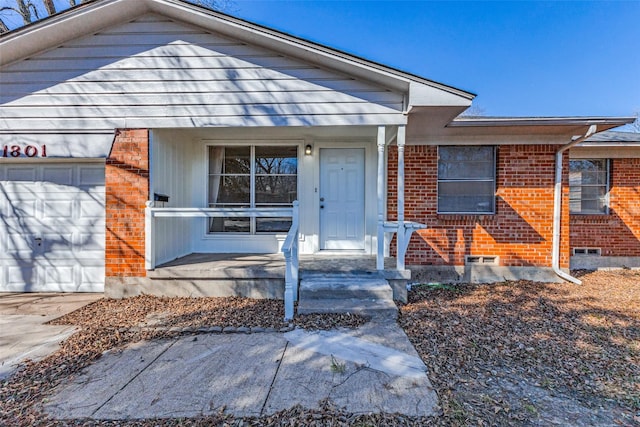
{"x": 127, "y": 190}
{"x": 520, "y": 232}
{"x": 617, "y": 234}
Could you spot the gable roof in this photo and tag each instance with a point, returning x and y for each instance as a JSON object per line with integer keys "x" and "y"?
{"x": 95, "y": 15}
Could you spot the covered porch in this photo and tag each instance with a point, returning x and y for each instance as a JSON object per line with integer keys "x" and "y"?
{"x": 292, "y": 192}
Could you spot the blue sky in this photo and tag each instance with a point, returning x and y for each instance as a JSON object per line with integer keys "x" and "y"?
{"x": 520, "y": 58}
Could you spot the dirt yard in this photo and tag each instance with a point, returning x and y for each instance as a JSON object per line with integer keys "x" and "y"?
{"x": 516, "y": 353}
{"x": 524, "y": 353}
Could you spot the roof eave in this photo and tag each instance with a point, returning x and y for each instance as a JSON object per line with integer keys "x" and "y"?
{"x": 540, "y": 121}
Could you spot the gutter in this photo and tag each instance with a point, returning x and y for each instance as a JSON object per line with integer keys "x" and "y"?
{"x": 557, "y": 206}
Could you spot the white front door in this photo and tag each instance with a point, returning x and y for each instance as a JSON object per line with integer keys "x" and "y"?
{"x": 53, "y": 227}
{"x": 342, "y": 198}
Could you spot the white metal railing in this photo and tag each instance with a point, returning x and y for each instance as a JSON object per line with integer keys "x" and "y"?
{"x": 289, "y": 247}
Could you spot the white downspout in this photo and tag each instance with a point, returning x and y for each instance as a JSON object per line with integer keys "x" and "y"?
{"x": 557, "y": 207}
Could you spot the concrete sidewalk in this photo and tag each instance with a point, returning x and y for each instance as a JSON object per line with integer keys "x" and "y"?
{"x": 370, "y": 369}
{"x": 23, "y": 333}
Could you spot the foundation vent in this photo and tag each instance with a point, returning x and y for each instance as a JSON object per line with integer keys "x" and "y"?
{"x": 482, "y": 259}
{"x": 587, "y": 251}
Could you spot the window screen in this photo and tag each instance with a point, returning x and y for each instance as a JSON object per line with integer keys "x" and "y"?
{"x": 466, "y": 179}
{"x": 588, "y": 186}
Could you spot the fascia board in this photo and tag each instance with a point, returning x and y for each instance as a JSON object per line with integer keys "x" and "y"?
{"x": 608, "y": 122}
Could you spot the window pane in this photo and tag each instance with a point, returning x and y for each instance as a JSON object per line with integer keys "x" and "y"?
{"x": 465, "y": 162}
{"x": 276, "y": 189}
{"x": 237, "y": 160}
{"x": 465, "y": 197}
{"x": 230, "y": 225}
{"x": 276, "y": 160}
{"x": 232, "y": 190}
{"x": 588, "y": 186}
{"x": 272, "y": 225}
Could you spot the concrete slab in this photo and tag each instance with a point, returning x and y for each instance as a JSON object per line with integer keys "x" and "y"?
{"x": 25, "y": 337}
{"x": 50, "y": 305}
{"x": 23, "y": 332}
{"x": 89, "y": 391}
{"x": 371, "y": 369}
{"x": 187, "y": 377}
{"x": 306, "y": 377}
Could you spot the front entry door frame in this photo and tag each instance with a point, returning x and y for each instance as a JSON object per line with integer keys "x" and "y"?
{"x": 342, "y": 214}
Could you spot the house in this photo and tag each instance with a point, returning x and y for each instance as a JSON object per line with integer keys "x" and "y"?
{"x": 135, "y": 132}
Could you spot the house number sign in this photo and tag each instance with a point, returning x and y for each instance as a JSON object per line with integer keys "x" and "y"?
{"x": 24, "y": 151}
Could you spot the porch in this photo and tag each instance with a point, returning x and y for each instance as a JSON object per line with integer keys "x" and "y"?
{"x": 258, "y": 275}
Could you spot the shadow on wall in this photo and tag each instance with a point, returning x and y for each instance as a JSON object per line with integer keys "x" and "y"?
{"x": 506, "y": 234}
{"x": 35, "y": 242}
{"x": 615, "y": 234}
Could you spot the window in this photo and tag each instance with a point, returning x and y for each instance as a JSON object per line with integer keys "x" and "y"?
{"x": 589, "y": 186}
{"x": 252, "y": 176}
{"x": 466, "y": 179}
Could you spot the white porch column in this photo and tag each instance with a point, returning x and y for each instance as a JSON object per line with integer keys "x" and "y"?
{"x": 400, "y": 235}
{"x": 381, "y": 191}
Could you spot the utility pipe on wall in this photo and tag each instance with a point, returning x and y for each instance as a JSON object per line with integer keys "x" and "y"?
{"x": 557, "y": 207}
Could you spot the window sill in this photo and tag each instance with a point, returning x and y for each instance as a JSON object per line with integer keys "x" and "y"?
{"x": 590, "y": 218}
{"x": 479, "y": 217}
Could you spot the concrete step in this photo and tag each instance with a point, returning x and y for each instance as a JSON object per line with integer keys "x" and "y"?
{"x": 365, "y": 307}
{"x": 345, "y": 287}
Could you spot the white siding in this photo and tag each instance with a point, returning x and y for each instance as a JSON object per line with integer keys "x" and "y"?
{"x": 173, "y": 156}
{"x": 157, "y": 73}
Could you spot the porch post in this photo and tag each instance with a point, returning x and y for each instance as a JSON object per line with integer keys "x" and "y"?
{"x": 381, "y": 189}
{"x": 400, "y": 235}
{"x": 149, "y": 237}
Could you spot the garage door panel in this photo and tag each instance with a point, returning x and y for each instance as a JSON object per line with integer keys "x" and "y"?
{"x": 57, "y": 175}
{"x": 20, "y": 209}
{"x": 90, "y": 176}
{"x": 16, "y": 175}
{"x": 19, "y": 244}
{"x": 58, "y": 245}
{"x": 57, "y": 210}
{"x": 58, "y": 276}
{"x": 92, "y": 242}
{"x": 62, "y": 205}
{"x": 89, "y": 209}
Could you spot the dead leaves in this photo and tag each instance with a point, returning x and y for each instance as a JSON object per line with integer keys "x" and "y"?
{"x": 543, "y": 332}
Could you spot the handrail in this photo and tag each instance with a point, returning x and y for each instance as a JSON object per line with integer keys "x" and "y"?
{"x": 152, "y": 212}
{"x": 219, "y": 212}
{"x": 290, "y": 249}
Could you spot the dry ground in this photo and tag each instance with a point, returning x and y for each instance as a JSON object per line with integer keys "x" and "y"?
{"x": 515, "y": 353}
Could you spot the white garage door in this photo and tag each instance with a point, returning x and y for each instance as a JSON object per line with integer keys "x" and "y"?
{"x": 53, "y": 227}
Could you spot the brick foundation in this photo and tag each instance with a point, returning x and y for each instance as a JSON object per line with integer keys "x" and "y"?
{"x": 127, "y": 190}
{"x": 618, "y": 233}
{"x": 520, "y": 232}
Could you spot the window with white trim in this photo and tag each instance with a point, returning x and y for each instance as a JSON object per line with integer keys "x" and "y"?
{"x": 589, "y": 186}
{"x": 466, "y": 179}
{"x": 252, "y": 176}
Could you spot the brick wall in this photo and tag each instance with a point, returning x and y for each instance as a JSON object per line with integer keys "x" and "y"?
{"x": 520, "y": 232}
{"x": 127, "y": 190}
{"x": 617, "y": 234}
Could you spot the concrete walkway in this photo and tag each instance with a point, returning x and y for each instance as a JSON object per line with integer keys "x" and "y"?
{"x": 370, "y": 369}
{"x": 23, "y": 333}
